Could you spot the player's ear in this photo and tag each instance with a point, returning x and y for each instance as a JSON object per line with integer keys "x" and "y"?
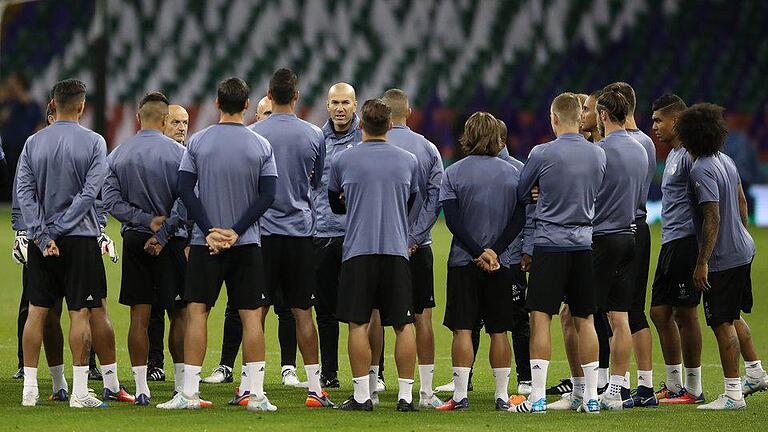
{"x": 218, "y": 105}
{"x": 269, "y": 95}
{"x": 247, "y": 104}
{"x": 295, "y": 96}
{"x": 81, "y": 108}
{"x": 138, "y": 119}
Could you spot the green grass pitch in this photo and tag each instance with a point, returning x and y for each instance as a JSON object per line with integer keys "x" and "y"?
{"x": 292, "y": 415}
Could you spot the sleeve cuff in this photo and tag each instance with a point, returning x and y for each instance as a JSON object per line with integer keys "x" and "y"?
{"x": 162, "y": 235}
{"x": 145, "y": 220}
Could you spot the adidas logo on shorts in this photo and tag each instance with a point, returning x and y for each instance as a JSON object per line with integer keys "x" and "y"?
{"x": 178, "y": 297}
{"x": 262, "y": 297}
{"x": 89, "y": 298}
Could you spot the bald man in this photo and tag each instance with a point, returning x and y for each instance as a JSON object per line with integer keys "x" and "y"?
{"x": 341, "y": 131}
{"x": 263, "y": 109}
{"x": 176, "y": 128}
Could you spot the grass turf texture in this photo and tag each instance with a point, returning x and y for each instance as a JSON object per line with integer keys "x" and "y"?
{"x": 292, "y": 415}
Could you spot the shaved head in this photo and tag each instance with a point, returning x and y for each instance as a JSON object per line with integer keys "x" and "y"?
{"x": 341, "y": 106}
{"x": 263, "y": 109}
{"x": 153, "y": 109}
{"x": 397, "y": 100}
{"x": 177, "y": 125}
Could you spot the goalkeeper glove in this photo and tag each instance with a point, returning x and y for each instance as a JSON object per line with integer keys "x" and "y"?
{"x": 107, "y": 246}
{"x": 20, "y": 244}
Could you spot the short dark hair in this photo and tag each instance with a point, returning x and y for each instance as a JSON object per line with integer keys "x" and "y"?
{"x": 232, "y": 94}
{"x": 376, "y": 116}
{"x": 153, "y": 97}
{"x": 615, "y": 104}
{"x": 702, "y": 129}
{"x": 283, "y": 86}
{"x": 397, "y": 100}
{"x": 481, "y": 135}
{"x": 68, "y": 94}
{"x": 669, "y": 102}
{"x": 627, "y": 91}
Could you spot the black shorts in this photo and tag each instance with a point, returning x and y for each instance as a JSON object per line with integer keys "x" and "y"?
{"x": 148, "y": 279}
{"x": 474, "y": 295}
{"x": 380, "y": 282}
{"x": 612, "y": 258}
{"x": 241, "y": 267}
{"x": 641, "y": 261}
{"x": 673, "y": 282}
{"x": 730, "y": 294}
{"x": 77, "y": 274}
{"x": 558, "y": 275}
{"x": 289, "y": 265}
{"x": 422, "y": 275}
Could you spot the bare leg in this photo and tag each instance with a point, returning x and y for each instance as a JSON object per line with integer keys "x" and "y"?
{"x": 253, "y": 334}
{"x": 687, "y": 320}
{"x": 748, "y": 351}
{"x": 138, "y": 341}
{"x": 669, "y": 335}
{"x": 621, "y": 343}
{"x": 306, "y": 335}
{"x": 375, "y": 338}
{"x": 728, "y": 344}
{"x": 103, "y": 335}
{"x": 196, "y": 334}
{"x": 359, "y": 349}
{"x": 571, "y": 339}
{"x": 405, "y": 351}
{"x": 461, "y": 349}
{"x": 32, "y": 338}
{"x": 500, "y": 354}
{"x": 176, "y": 334}
{"x": 588, "y": 345}
{"x": 425, "y": 338}
{"x": 53, "y": 337}
{"x": 79, "y": 336}
{"x": 642, "y": 343}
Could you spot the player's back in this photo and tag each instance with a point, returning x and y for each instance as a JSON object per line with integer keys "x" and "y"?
{"x": 485, "y": 188}
{"x": 299, "y": 149}
{"x": 650, "y": 151}
{"x": 147, "y": 168}
{"x": 716, "y": 179}
{"x": 426, "y": 155}
{"x": 61, "y": 156}
{"x": 619, "y": 197}
{"x": 228, "y": 159}
{"x": 377, "y": 179}
{"x": 570, "y": 170}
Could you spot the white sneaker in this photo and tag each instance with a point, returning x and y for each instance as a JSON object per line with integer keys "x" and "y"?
{"x": 290, "y": 378}
{"x": 219, "y": 375}
{"x": 567, "y": 402}
{"x": 180, "y": 402}
{"x": 724, "y": 402}
{"x": 450, "y": 387}
{"x": 88, "y": 401}
{"x": 260, "y": 405}
{"x": 380, "y": 386}
{"x": 611, "y": 403}
{"x": 29, "y": 399}
{"x": 524, "y": 388}
{"x": 375, "y": 398}
{"x": 753, "y": 385}
{"x": 429, "y": 402}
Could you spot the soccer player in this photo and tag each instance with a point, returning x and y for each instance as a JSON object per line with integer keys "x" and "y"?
{"x": 479, "y": 276}
{"x": 341, "y": 131}
{"x": 588, "y": 124}
{"x": 674, "y": 299}
{"x": 139, "y": 191}
{"x": 288, "y": 225}
{"x": 379, "y": 183}
{"x": 613, "y": 237}
{"x": 235, "y": 173}
{"x": 63, "y": 225}
{"x": 176, "y": 127}
{"x": 638, "y": 322}
{"x": 568, "y": 171}
{"x": 421, "y": 218}
{"x": 726, "y": 249}
{"x": 263, "y": 109}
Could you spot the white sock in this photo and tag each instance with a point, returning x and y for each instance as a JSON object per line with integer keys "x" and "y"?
{"x": 256, "y": 378}
{"x": 405, "y": 389}
{"x": 693, "y": 380}
{"x": 578, "y": 386}
{"x": 645, "y": 378}
{"x": 538, "y": 379}
{"x": 109, "y": 373}
{"x": 733, "y": 388}
{"x": 627, "y": 378}
{"x": 460, "y": 383}
{"x": 361, "y": 388}
{"x": 140, "y": 378}
{"x": 178, "y": 377}
{"x": 313, "y": 378}
{"x": 57, "y": 375}
{"x": 191, "y": 380}
{"x": 373, "y": 378}
{"x": 674, "y": 377}
{"x": 602, "y": 377}
{"x": 501, "y": 378}
{"x": 30, "y": 380}
{"x": 754, "y": 369}
{"x": 590, "y": 380}
{"x": 80, "y": 381}
{"x": 426, "y": 373}
{"x": 245, "y": 385}
{"x": 614, "y": 386}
